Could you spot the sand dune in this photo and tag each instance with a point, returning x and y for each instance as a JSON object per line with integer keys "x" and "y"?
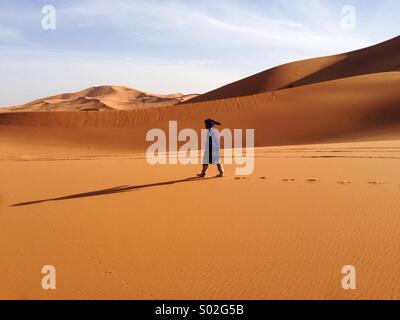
{"x": 100, "y": 99}
{"x": 379, "y": 58}
{"x": 363, "y": 107}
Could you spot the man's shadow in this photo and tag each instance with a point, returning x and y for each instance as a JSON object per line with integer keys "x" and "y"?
{"x": 113, "y": 190}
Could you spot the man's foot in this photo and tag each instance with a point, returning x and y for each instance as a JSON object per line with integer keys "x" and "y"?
{"x": 221, "y": 175}
{"x": 201, "y": 175}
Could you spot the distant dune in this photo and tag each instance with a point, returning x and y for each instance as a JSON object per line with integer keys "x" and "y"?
{"x": 383, "y": 57}
{"x": 101, "y": 98}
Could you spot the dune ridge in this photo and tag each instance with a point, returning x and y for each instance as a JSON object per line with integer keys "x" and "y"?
{"x": 383, "y": 57}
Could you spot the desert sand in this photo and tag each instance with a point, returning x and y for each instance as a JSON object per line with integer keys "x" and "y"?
{"x": 147, "y": 232}
{"x": 77, "y": 193}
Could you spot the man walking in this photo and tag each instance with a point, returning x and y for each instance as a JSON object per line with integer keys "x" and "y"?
{"x": 212, "y": 149}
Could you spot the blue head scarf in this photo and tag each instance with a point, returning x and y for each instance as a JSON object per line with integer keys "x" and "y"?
{"x": 211, "y": 123}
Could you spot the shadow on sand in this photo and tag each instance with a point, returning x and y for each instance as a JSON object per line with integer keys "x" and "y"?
{"x": 113, "y": 190}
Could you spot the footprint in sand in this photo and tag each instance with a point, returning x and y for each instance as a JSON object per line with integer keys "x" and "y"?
{"x": 375, "y": 183}
{"x": 241, "y": 178}
{"x": 343, "y": 182}
{"x": 312, "y": 180}
{"x": 263, "y": 178}
{"x": 288, "y": 180}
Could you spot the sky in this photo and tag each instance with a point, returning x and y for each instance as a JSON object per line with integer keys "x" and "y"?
{"x": 168, "y": 46}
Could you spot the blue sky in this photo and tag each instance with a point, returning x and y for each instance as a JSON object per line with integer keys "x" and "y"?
{"x": 172, "y": 46}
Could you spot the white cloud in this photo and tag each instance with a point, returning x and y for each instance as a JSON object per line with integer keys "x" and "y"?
{"x": 306, "y": 27}
{"x": 315, "y": 22}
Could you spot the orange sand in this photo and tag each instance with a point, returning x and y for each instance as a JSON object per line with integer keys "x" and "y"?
{"x": 119, "y": 228}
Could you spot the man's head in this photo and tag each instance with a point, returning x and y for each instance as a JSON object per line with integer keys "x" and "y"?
{"x": 211, "y": 123}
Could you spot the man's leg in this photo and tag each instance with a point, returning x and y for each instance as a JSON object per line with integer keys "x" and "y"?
{"x": 220, "y": 169}
{"x": 204, "y": 171}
